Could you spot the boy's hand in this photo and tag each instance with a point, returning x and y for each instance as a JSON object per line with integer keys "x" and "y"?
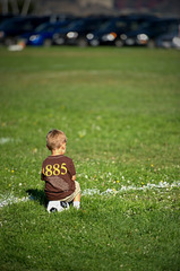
{"x": 73, "y": 178}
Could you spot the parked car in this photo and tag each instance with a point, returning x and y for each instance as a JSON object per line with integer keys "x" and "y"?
{"x": 5, "y": 17}
{"x": 110, "y": 32}
{"x": 171, "y": 39}
{"x": 10, "y": 29}
{"x": 43, "y": 34}
{"x": 146, "y": 36}
{"x": 75, "y": 33}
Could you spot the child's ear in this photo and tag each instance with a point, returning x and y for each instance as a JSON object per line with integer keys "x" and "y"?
{"x": 64, "y": 146}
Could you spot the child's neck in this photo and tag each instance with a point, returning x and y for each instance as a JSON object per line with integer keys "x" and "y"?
{"x": 57, "y": 152}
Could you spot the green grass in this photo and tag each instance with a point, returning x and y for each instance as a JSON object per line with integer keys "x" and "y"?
{"x": 120, "y": 111}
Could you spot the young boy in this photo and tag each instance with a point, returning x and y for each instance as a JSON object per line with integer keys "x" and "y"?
{"x": 59, "y": 174}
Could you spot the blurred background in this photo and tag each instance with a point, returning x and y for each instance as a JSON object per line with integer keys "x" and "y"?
{"x": 89, "y": 7}
{"x": 153, "y": 23}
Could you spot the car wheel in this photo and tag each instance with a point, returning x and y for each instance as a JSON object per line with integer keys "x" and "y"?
{"x": 151, "y": 44}
{"x": 167, "y": 44}
{"x": 9, "y": 41}
{"x": 119, "y": 43}
{"x": 94, "y": 43}
{"x": 47, "y": 42}
{"x": 82, "y": 42}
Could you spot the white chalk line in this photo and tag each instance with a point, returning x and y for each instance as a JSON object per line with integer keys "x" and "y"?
{"x": 4, "y": 201}
{"x": 124, "y": 188}
{"x": 10, "y": 199}
{"x": 4, "y": 140}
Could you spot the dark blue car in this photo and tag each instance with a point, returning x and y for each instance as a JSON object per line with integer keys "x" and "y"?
{"x": 12, "y": 28}
{"x": 76, "y": 33}
{"x": 147, "y": 36}
{"x": 110, "y": 33}
{"x": 43, "y": 34}
{"x": 170, "y": 39}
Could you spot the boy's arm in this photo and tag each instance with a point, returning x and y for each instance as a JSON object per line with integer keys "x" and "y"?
{"x": 73, "y": 178}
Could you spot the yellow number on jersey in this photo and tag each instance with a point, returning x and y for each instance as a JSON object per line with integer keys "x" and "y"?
{"x": 55, "y": 170}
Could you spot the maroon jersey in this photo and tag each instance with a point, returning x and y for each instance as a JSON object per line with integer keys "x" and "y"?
{"x": 57, "y": 172}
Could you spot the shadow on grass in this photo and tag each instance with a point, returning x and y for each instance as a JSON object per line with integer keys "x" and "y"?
{"x": 37, "y": 195}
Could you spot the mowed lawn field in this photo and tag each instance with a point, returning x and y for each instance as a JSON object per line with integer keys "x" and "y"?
{"x": 120, "y": 109}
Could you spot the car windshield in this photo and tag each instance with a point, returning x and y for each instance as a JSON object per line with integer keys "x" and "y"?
{"x": 76, "y": 23}
{"x": 160, "y": 26}
{"x": 118, "y": 24}
{"x": 50, "y": 27}
{"x": 42, "y": 27}
{"x": 8, "y": 24}
{"x": 17, "y": 25}
{"x": 106, "y": 25}
{"x": 135, "y": 24}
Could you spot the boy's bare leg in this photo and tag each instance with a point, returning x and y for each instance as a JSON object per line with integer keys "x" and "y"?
{"x": 78, "y": 197}
{"x": 76, "y": 201}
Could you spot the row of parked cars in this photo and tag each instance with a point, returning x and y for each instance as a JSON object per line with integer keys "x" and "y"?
{"x": 129, "y": 30}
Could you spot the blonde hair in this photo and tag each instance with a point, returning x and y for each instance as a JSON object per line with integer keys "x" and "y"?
{"x": 55, "y": 139}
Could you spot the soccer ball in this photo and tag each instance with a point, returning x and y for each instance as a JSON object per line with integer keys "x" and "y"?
{"x": 57, "y": 206}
